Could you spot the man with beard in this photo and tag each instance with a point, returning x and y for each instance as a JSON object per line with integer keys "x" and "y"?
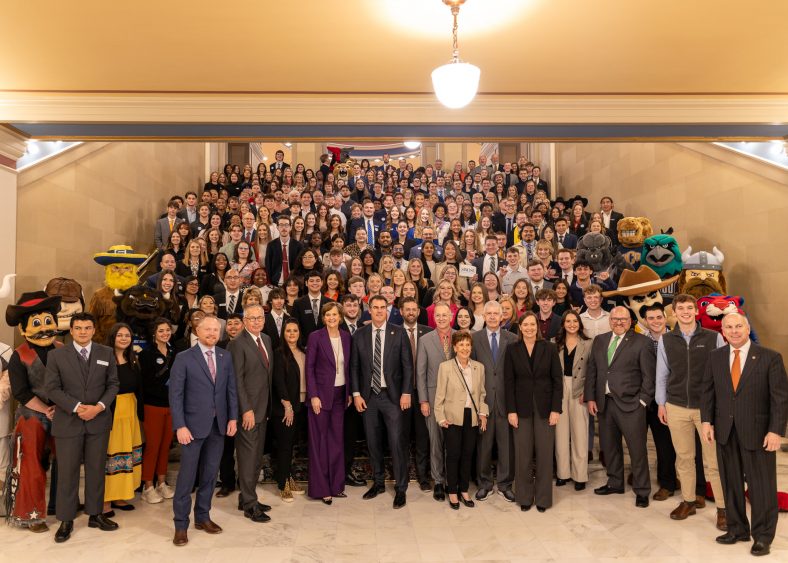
{"x": 702, "y": 273}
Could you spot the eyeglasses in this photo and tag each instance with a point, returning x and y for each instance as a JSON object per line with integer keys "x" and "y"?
{"x": 619, "y": 319}
{"x": 255, "y": 319}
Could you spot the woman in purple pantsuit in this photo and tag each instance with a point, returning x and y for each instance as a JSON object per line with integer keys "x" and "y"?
{"x": 327, "y": 374}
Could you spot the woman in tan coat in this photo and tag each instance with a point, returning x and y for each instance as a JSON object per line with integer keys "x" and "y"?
{"x": 459, "y": 409}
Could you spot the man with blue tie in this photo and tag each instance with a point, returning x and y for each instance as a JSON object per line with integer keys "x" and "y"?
{"x": 367, "y": 222}
{"x": 204, "y": 407}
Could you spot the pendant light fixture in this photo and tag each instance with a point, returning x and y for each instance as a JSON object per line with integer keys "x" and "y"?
{"x": 456, "y": 82}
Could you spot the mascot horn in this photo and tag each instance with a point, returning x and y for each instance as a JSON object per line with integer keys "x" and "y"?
{"x": 5, "y": 289}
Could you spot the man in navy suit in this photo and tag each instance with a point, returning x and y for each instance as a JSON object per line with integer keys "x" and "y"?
{"x": 563, "y": 236}
{"x": 367, "y": 222}
{"x": 204, "y": 407}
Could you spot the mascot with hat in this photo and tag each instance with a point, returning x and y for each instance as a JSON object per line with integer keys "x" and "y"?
{"x": 120, "y": 263}
{"x": 701, "y": 273}
{"x": 71, "y": 300}
{"x": 641, "y": 289}
{"x": 35, "y": 315}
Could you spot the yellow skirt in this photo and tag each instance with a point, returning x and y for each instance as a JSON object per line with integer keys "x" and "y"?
{"x": 124, "y": 453}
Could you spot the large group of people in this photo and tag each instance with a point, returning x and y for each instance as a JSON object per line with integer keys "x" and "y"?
{"x": 439, "y": 313}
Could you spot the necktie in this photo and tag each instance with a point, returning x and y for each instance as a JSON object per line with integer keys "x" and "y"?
{"x": 370, "y": 233}
{"x": 248, "y": 237}
{"x": 566, "y": 276}
{"x": 285, "y": 265}
{"x": 83, "y": 354}
{"x": 735, "y": 369}
{"x": 171, "y": 224}
{"x": 536, "y": 289}
{"x": 399, "y": 265}
{"x": 352, "y": 328}
{"x": 279, "y": 326}
{"x": 231, "y": 304}
{"x": 492, "y": 264}
{"x": 413, "y": 350}
{"x": 263, "y": 352}
{"x": 611, "y": 349}
{"x": 508, "y": 225}
{"x": 446, "y": 351}
{"x": 561, "y": 239}
{"x": 494, "y": 346}
{"x": 315, "y": 309}
{"x": 211, "y": 364}
{"x": 377, "y": 363}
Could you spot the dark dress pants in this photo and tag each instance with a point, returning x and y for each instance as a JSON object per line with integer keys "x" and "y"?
{"x": 759, "y": 469}
{"x": 498, "y": 433}
{"x": 459, "y": 442}
{"x": 534, "y": 438}
{"x": 663, "y": 444}
{"x": 249, "y": 450}
{"x": 205, "y": 454}
{"x": 352, "y": 432}
{"x": 414, "y": 431}
{"x": 383, "y": 412}
{"x": 284, "y": 441}
{"x": 71, "y": 451}
{"x": 227, "y": 465}
{"x": 613, "y": 424}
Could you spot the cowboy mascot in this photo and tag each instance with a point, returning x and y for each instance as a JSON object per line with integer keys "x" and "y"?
{"x": 640, "y": 289}
{"x": 36, "y": 316}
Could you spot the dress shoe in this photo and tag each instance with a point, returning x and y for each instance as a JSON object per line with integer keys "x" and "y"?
{"x": 525, "y": 507}
{"x": 38, "y": 527}
{"x": 454, "y": 505}
{"x": 109, "y": 514}
{"x": 259, "y": 505}
{"x": 561, "y": 482}
{"x": 425, "y": 486}
{"x": 606, "y": 490}
{"x": 729, "y": 539}
{"x": 327, "y": 501}
{"x": 374, "y": 491}
{"x": 683, "y": 510}
{"x": 438, "y": 492}
{"x": 467, "y": 502}
{"x": 224, "y": 492}
{"x": 341, "y": 495}
{"x": 663, "y": 494}
{"x": 507, "y": 495}
{"x": 482, "y": 494}
{"x": 125, "y": 507}
{"x": 180, "y": 538}
{"x": 641, "y": 501}
{"x": 722, "y": 520}
{"x": 541, "y": 508}
{"x": 64, "y": 531}
{"x": 760, "y": 548}
{"x": 580, "y": 486}
{"x": 353, "y": 481}
{"x": 209, "y": 527}
{"x": 700, "y": 501}
{"x": 102, "y": 523}
{"x": 399, "y": 500}
{"x": 255, "y": 515}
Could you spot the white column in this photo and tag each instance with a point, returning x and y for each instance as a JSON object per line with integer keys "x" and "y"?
{"x": 12, "y": 147}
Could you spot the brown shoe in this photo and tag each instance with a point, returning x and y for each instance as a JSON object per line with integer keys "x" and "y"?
{"x": 683, "y": 510}
{"x": 209, "y": 527}
{"x": 180, "y": 538}
{"x": 662, "y": 494}
{"x": 38, "y": 527}
{"x": 722, "y": 520}
{"x": 700, "y": 502}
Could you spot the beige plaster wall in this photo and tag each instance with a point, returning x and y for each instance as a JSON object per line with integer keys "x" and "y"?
{"x": 92, "y": 197}
{"x": 709, "y": 201}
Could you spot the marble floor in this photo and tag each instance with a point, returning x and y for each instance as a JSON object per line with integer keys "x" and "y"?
{"x": 580, "y": 527}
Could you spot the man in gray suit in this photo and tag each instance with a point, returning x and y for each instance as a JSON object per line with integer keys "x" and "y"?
{"x": 620, "y": 382}
{"x": 166, "y": 225}
{"x": 82, "y": 381}
{"x": 489, "y": 348}
{"x": 433, "y": 349}
{"x": 253, "y": 361}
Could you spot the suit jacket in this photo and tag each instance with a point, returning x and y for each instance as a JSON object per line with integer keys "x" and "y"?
{"x": 68, "y": 382}
{"x": 541, "y": 384}
{"x": 429, "y": 357}
{"x": 631, "y": 375}
{"x": 612, "y": 232}
{"x": 355, "y": 224}
{"x": 302, "y": 310}
{"x": 570, "y": 240}
{"x": 195, "y": 399}
{"x": 273, "y": 258}
{"x": 479, "y": 265}
{"x": 397, "y": 362}
{"x": 758, "y": 406}
{"x": 321, "y": 366}
{"x": 161, "y": 232}
{"x": 253, "y": 380}
{"x": 394, "y": 317}
{"x": 544, "y": 284}
{"x": 269, "y": 328}
{"x": 286, "y": 385}
{"x": 451, "y": 393}
{"x": 582, "y": 351}
{"x": 272, "y": 166}
{"x": 493, "y": 370}
{"x": 220, "y": 297}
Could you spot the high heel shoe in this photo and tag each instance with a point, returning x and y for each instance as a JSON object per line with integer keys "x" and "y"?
{"x": 327, "y": 500}
{"x": 454, "y": 505}
{"x": 467, "y": 502}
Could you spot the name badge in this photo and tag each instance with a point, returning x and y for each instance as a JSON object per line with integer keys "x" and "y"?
{"x": 102, "y": 363}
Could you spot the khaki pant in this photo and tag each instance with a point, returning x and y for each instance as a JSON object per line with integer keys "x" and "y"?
{"x": 683, "y": 424}
{"x": 571, "y": 438}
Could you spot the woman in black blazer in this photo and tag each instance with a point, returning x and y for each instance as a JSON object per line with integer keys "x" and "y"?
{"x": 288, "y": 414}
{"x": 534, "y": 389}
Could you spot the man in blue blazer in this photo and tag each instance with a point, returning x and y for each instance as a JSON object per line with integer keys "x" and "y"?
{"x": 204, "y": 407}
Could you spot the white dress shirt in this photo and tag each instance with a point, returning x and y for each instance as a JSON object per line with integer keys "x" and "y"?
{"x": 744, "y": 350}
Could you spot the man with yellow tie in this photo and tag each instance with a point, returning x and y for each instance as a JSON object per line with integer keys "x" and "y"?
{"x": 745, "y": 408}
{"x": 167, "y": 224}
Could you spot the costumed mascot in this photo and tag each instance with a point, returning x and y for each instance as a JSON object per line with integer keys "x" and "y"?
{"x": 597, "y": 250}
{"x": 120, "y": 263}
{"x": 702, "y": 273}
{"x": 632, "y": 231}
{"x": 641, "y": 290}
{"x": 138, "y": 307}
{"x": 712, "y": 309}
{"x": 71, "y": 301}
{"x": 35, "y": 314}
{"x": 661, "y": 253}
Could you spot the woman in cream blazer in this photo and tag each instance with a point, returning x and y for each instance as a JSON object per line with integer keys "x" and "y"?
{"x": 571, "y": 432}
{"x": 459, "y": 408}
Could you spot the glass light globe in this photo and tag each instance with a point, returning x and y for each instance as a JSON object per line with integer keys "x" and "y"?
{"x": 412, "y": 145}
{"x": 456, "y": 83}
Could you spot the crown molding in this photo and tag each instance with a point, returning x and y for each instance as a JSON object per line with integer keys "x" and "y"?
{"x": 389, "y": 108}
{"x": 12, "y": 146}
